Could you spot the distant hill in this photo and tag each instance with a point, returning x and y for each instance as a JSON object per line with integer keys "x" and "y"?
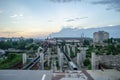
{"x": 114, "y": 32}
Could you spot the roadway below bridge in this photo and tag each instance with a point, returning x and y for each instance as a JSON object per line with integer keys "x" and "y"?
{"x": 34, "y": 62}
{"x": 72, "y": 65}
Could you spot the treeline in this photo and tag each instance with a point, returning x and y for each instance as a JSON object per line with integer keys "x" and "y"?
{"x": 15, "y": 44}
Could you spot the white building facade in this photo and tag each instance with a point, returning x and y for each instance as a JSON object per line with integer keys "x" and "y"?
{"x": 100, "y": 36}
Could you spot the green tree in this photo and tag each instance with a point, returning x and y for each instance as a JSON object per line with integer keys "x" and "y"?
{"x": 11, "y": 56}
{"x": 86, "y": 42}
{"x": 87, "y": 62}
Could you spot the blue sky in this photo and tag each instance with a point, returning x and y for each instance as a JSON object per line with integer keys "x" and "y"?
{"x": 33, "y": 18}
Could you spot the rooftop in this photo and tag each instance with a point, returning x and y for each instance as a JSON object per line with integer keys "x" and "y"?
{"x": 110, "y": 74}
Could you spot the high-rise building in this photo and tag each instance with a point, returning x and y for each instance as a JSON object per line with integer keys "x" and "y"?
{"x": 100, "y": 36}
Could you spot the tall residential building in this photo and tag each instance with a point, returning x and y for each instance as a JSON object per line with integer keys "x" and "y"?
{"x": 100, "y": 36}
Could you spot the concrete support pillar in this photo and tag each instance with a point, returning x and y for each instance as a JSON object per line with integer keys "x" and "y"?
{"x": 37, "y": 54}
{"x": 49, "y": 55}
{"x": 60, "y": 56}
{"x": 64, "y": 48}
{"x": 61, "y": 61}
{"x": 93, "y": 61}
{"x": 24, "y": 58}
{"x": 68, "y": 49}
{"x": 79, "y": 60}
{"x": 83, "y": 52}
{"x": 55, "y": 66}
{"x": 42, "y": 60}
{"x": 73, "y": 49}
{"x": 40, "y": 49}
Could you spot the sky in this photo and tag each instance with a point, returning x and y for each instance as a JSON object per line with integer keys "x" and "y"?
{"x": 35, "y": 18}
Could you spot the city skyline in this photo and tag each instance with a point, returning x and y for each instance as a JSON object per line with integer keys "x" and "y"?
{"x": 29, "y": 18}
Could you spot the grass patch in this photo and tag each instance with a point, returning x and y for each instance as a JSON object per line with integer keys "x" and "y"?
{"x": 12, "y": 59}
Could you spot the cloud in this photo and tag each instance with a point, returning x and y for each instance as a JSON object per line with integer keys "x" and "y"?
{"x": 21, "y": 15}
{"x": 13, "y": 16}
{"x": 69, "y": 20}
{"x": 15, "y": 22}
{"x": 112, "y": 4}
{"x": 82, "y": 18}
{"x": 75, "y": 19}
{"x": 50, "y": 21}
{"x": 8, "y": 32}
{"x": 1, "y": 11}
{"x": 16, "y": 15}
{"x": 64, "y": 1}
